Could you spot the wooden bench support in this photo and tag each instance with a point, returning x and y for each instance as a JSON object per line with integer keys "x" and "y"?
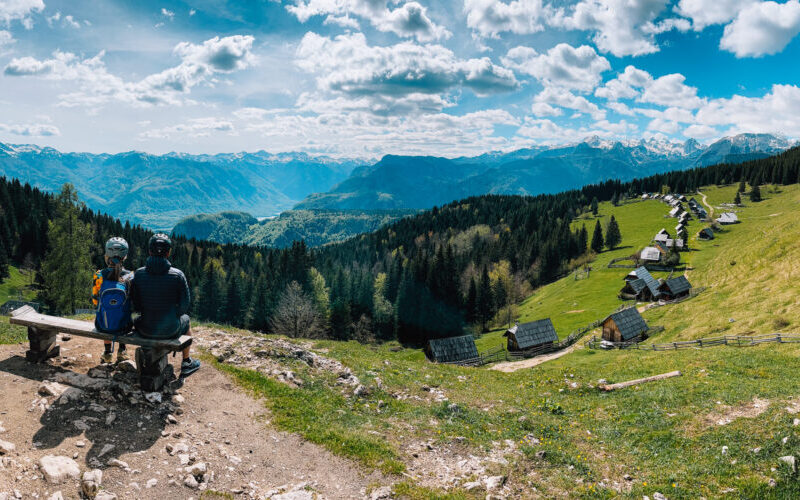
{"x": 154, "y": 369}
{"x": 42, "y": 345}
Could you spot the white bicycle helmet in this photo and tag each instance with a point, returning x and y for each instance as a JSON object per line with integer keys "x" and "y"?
{"x": 116, "y": 247}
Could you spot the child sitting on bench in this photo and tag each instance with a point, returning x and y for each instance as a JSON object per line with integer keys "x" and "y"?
{"x": 110, "y": 297}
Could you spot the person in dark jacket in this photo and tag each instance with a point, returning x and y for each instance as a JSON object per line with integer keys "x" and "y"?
{"x": 160, "y": 294}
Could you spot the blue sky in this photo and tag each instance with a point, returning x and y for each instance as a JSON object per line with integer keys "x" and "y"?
{"x": 371, "y": 77}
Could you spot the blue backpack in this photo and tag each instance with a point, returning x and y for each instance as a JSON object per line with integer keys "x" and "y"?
{"x": 113, "y": 308}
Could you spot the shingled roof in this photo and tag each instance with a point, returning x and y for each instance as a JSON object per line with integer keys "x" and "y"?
{"x": 677, "y": 286}
{"x": 629, "y": 322}
{"x": 534, "y": 333}
{"x": 643, "y": 274}
{"x": 452, "y": 349}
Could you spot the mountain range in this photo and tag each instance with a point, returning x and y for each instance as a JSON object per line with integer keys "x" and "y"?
{"x": 158, "y": 190}
{"x": 423, "y": 181}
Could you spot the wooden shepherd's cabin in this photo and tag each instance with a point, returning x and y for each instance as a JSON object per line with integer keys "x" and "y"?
{"x": 675, "y": 288}
{"x": 452, "y": 349}
{"x": 640, "y": 285}
{"x": 626, "y": 325}
{"x": 531, "y": 335}
{"x": 706, "y": 234}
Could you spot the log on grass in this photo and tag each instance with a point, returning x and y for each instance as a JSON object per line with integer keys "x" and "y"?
{"x": 622, "y": 385}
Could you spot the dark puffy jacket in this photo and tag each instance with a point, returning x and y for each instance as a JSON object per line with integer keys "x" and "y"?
{"x": 160, "y": 294}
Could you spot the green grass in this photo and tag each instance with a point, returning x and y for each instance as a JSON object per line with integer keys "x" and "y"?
{"x": 14, "y": 286}
{"x": 663, "y": 434}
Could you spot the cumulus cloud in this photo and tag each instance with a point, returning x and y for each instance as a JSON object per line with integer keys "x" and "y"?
{"x": 621, "y": 27}
{"x": 5, "y": 39}
{"x": 777, "y": 112}
{"x": 30, "y": 130}
{"x": 700, "y": 132}
{"x": 563, "y": 66}
{"x": 762, "y": 28}
{"x": 667, "y": 90}
{"x": 491, "y": 17}
{"x": 708, "y": 12}
{"x": 565, "y": 99}
{"x": 408, "y": 20}
{"x": 19, "y": 10}
{"x": 167, "y": 13}
{"x": 96, "y": 85}
{"x": 347, "y": 66}
{"x": 545, "y": 131}
{"x": 198, "y": 127}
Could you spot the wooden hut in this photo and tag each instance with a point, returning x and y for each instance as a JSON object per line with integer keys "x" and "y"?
{"x": 650, "y": 254}
{"x": 643, "y": 288}
{"x": 706, "y": 234}
{"x": 728, "y": 218}
{"x": 530, "y": 335}
{"x": 624, "y": 326}
{"x": 451, "y": 349}
{"x": 675, "y": 288}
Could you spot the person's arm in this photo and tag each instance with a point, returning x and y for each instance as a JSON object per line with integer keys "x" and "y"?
{"x": 97, "y": 282}
{"x": 185, "y": 297}
{"x": 133, "y": 294}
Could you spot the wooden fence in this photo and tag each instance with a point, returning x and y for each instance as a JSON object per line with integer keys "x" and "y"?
{"x": 728, "y": 340}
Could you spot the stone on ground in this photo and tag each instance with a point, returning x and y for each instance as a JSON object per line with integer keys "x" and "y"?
{"x": 91, "y": 481}
{"x": 57, "y": 469}
{"x": 6, "y": 447}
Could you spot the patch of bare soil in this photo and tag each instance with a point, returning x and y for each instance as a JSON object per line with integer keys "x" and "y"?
{"x": 512, "y": 366}
{"x": 725, "y": 414}
{"x": 575, "y": 311}
{"x": 206, "y": 435}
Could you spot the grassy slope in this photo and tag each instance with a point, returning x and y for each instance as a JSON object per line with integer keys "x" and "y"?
{"x": 9, "y": 289}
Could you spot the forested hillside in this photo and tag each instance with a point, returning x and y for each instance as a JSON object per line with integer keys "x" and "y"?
{"x": 315, "y": 227}
{"x": 423, "y": 276}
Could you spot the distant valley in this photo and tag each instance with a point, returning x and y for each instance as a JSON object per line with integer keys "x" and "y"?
{"x": 315, "y": 227}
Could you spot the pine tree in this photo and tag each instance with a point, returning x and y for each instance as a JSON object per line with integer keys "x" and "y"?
{"x": 472, "y": 302}
{"x": 484, "y": 300}
{"x": 320, "y": 294}
{"x": 583, "y": 240}
{"x": 67, "y": 267}
{"x": 737, "y": 200}
{"x": 383, "y": 312}
{"x": 3, "y": 261}
{"x": 210, "y": 303}
{"x": 234, "y": 300}
{"x": 597, "y": 238}
{"x": 615, "y": 199}
{"x": 755, "y": 193}
{"x": 613, "y": 236}
{"x": 742, "y": 186}
{"x": 594, "y": 206}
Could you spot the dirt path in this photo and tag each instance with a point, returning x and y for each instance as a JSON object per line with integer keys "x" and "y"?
{"x": 710, "y": 208}
{"x": 512, "y": 366}
{"x": 104, "y": 421}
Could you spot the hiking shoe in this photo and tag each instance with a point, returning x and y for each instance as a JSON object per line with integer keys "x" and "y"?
{"x": 189, "y": 366}
{"x": 107, "y": 357}
{"x": 122, "y": 356}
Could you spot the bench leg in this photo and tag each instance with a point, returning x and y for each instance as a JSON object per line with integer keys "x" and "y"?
{"x": 154, "y": 369}
{"x": 42, "y": 345}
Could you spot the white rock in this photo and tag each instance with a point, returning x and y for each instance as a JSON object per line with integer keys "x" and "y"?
{"x": 659, "y": 496}
{"x": 105, "y": 449}
{"x": 184, "y": 458}
{"x": 494, "y": 482}
{"x": 197, "y": 469}
{"x": 57, "y": 469}
{"x": 190, "y": 482}
{"x": 126, "y": 366}
{"x": 151, "y": 483}
{"x": 55, "y": 496}
{"x": 381, "y": 493}
{"x": 153, "y": 397}
{"x": 790, "y": 461}
{"x": 105, "y": 495}
{"x": 114, "y": 462}
{"x": 91, "y": 481}
{"x": 6, "y": 447}
{"x": 52, "y": 389}
{"x": 110, "y": 418}
{"x": 80, "y": 444}
{"x": 298, "y": 494}
{"x": 472, "y": 485}
{"x": 178, "y": 399}
{"x": 175, "y": 448}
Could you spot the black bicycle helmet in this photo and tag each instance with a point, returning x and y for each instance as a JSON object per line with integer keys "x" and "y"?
{"x": 159, "y": 245}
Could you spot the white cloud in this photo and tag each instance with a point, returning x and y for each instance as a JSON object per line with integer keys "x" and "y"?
{"x": 343, "y": 21}
{"x": 567, "y": 100}
{"x": 5, "y": 39}
{"x": 408, "y": 20}
{"x": 762, "y": 28}
{"x": 491, "y": 17}
{"x": 707, "y": 12}
{"x": 198, "y": 127}
{"x": 347, "y": 66}
{"x": 621, "y": 27}
{"x": 777, "y": 112}
{"x": 545, "y": 131}
{"x": 665, "y": 126}
{"x": 19, "y": 10}
{"x": 700, "y": 132}
{"x": 32, "y": 129}
{"x": 167, "y": 13}
{"x": 96, "y": 86}
{"x": 563, "y": 66}
{"x": 667, "y": 90}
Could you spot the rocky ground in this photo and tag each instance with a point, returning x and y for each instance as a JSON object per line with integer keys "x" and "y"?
{"x": 74, "y": 429}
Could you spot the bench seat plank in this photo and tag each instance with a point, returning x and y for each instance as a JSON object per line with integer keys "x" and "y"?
{"x": 27, "y": 316}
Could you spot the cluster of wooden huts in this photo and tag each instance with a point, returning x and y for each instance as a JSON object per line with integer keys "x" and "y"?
{"x": 640, "y": 285}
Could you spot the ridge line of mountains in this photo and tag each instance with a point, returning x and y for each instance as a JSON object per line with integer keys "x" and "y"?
{"x": 159, "y": 191}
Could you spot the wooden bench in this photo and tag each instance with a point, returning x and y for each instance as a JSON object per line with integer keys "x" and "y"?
{"x": 151, "y": 355}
